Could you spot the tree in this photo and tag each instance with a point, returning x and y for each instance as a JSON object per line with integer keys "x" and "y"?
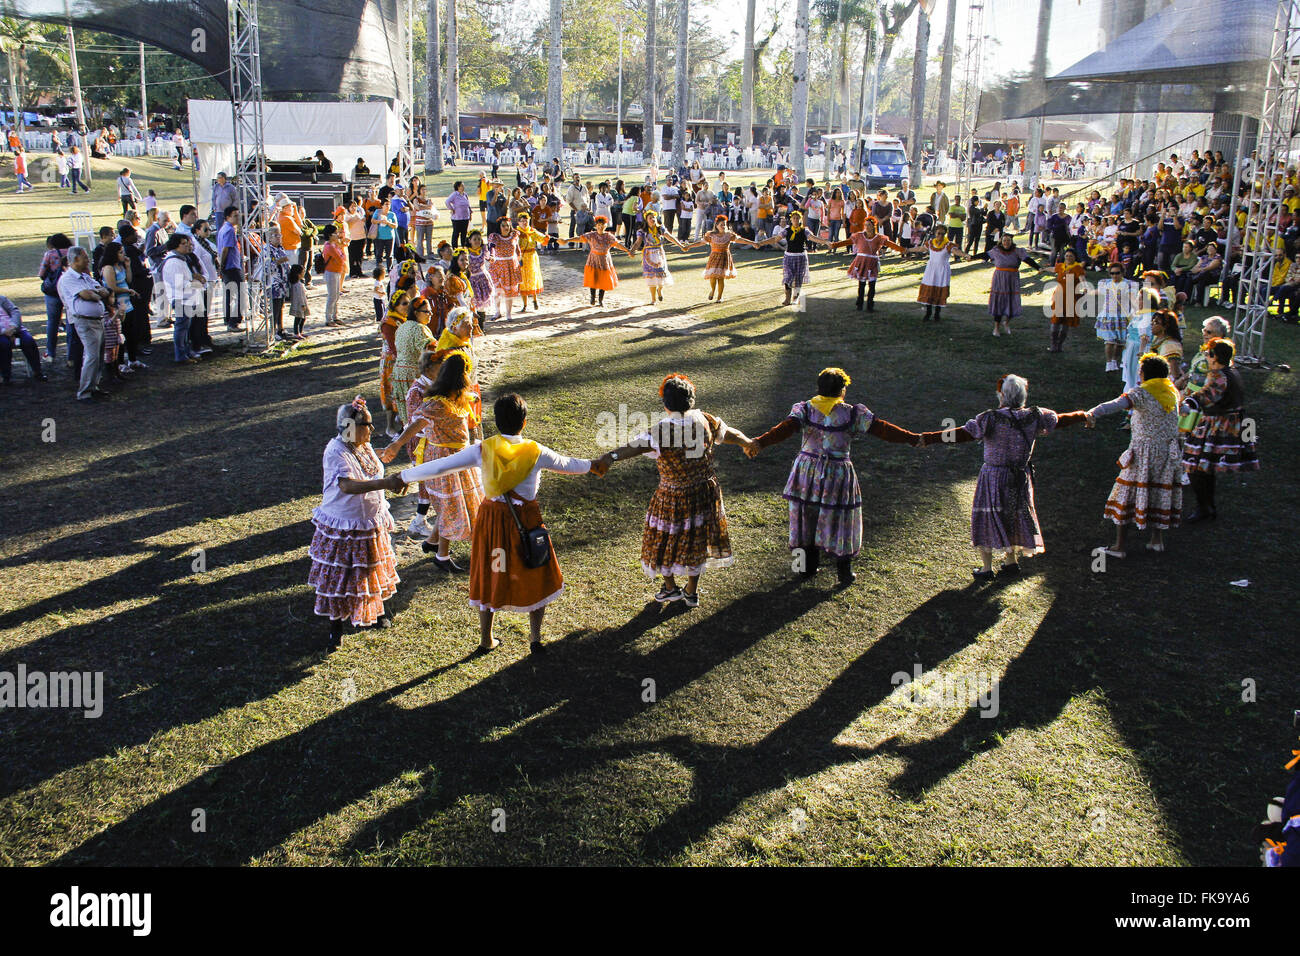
{"x": 918, "y": 94}
{"x": 682, "y": 101}
{"x": 432, "y": 93}
{"x": 15, "y": 38}
{"x": 650, "y": 144}
{"x": 453, "y": 80}
{"x": 799, "y": 107}
{"x": 555, "y": 85}
{"x": 747, "y": 81}
{"x": 945, "y": 78}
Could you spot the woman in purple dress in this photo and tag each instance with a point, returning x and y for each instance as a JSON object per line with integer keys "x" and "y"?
{"x": 1004, "y": 296}
{"x": 480, "y": 280}
{"x": 1003, "y": 517}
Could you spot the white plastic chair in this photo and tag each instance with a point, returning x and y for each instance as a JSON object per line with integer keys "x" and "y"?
{"x": 82, "y": 225}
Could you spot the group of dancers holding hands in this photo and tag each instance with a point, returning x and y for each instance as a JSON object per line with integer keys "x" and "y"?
{"x": 486, "y": 490}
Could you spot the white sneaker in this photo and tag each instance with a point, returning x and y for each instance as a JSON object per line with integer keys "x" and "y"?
{"x": 419, "y": 528}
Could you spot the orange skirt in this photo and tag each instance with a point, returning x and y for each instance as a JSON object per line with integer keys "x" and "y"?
{"x": 599, "y": 273}
{"x": 498, "y": 578}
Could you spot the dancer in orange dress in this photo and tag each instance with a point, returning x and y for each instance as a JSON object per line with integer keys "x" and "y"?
{"x": 720, "y": 266}
{"x": 1070, "y": 287}
{"x": 503, "y": 266}
{"x": 530, "y": 281}
{"x": 599, "y": 275}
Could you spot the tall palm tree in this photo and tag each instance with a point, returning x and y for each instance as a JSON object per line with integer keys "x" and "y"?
{"x": 945, "y": 77}
{"x": 555, "y": 85}
{"x": 453, "y": 80}
{"x": 433, "y": 94}
{"x": 649, "y": 106}
{"x": 918, "y": 94}
{"x": 682, "y": 101}
{"x": 799, "y": 116}
{"x": 15, "y": 35}
{"x": 747, "y": 81}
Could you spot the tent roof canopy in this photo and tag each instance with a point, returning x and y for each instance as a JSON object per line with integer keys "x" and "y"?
{"x": 316, "y": 125}
{"x": 1054, "y": 131}
{"x": 1180, "y": 42}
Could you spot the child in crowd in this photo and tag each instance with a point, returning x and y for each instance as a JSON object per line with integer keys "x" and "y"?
{"x": 380, "y": 293}
{"x": 298, "y": 307}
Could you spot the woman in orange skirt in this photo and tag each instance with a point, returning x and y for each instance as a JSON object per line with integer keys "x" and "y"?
{"x": 599, "y": 275}
{"x": 499, "y": 579}
{"x": 1070, "y": 287}
{"x": 446, "y": 421}
{"x": 503, "y": 266}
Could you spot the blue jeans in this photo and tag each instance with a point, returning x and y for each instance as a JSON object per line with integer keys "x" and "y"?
{"x": 181, "y": 331}
{"x": 53, "y": 313}
{"x": 28, "y": 346}
{"x": 75, "y": 181}
{"x": 835, "y": 229}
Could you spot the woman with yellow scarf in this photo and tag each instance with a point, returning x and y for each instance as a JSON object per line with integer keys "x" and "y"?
{"x": 823, "y": 492}
{"x": 446, "y": 423}
{"x": 511, "y": 467}
{"x": 1149, "y": 490}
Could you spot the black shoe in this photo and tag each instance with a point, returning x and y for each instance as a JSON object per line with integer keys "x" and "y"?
{"x": 445, "y": 564}
{"x": 335, "y": 637}
{"x": 1010, "y": 570}
{"x": 1201, "y": 515}
{"x": 536, "y": 647}
{"x": 385, "y": 621}
{"x": 101, "y": 393}
{"x": 845, "y": 571}
{"x": 979, "y": 574}
{"x": 40, "y": 377}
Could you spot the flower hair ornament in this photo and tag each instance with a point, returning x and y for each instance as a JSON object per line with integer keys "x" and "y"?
{"x": 677, "y": 378}
{"x": 359, "y": 403}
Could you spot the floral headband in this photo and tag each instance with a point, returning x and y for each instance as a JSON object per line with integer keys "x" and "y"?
{"x": 359, "y": 403}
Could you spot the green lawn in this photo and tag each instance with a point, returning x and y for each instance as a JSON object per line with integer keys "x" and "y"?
{"x": 775, "y": 735}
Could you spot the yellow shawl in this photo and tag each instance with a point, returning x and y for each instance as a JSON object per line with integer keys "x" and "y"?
{"x": 825, "y": 403}
{"x": 450, "y": 340}
{"x": 1163, "y": 391}
{"x": 506, "y": 464}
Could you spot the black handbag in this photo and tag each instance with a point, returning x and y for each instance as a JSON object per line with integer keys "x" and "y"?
{"x": 536, "y": 542}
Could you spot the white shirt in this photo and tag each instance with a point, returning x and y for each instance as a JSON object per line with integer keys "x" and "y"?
{"x": 179, "y": 280}
{"x": 73, "y": 282}
{"x": 668, "y": 198}
{"x": 603, "y": 203}
{"x": 74, "y": 161}
{"x": 472, "y": 457}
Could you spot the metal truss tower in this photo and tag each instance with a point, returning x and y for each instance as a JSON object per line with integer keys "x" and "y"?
{"x": 1277, "y": 134}
{"x": 250, "y": 162}
{"x": 970, "y": 97}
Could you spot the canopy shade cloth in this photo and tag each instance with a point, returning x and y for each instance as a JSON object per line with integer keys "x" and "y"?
{"x": 1193, "y": 56}
{"x": 1054, "y": 131}
{"x": 319, "y": 47}
{"x": 344, "y": 131}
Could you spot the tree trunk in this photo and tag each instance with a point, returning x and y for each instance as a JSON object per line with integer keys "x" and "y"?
{"x": 555, "y": 85}
{"x": 433, "y": 94}
{"x": 453, "y": 80}
{"x": 649, "y": 105}
{"x": 747, "y": 81}
{"x": 1034, "y": 141}
{"x": 945, "y": 77}
{"x": 838, "y": 32}
{"x": 682, "y": 100}
{"x": 13, "y": 93}
{"x": 918, "y": 96}
{"x": 799, "y": 116}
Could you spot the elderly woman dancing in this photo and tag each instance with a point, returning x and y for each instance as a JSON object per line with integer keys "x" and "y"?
{"x": 353, "y": 566}
{"x": 1003, "y": 515}
{"x": 823, "y": 492}
{"x": 685, "y": 525}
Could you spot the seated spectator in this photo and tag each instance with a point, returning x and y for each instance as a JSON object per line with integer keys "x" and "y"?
{"x": 12, "y": 333}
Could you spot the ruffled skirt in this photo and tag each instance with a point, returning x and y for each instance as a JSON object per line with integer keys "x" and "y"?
{"x": 354, "y": 570}
{"x": 685, "y": 531}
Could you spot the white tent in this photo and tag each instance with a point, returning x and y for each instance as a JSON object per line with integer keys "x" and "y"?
{"x": 296, "y": 130}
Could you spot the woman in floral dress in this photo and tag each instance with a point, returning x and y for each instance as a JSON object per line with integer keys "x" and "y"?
{"x": 685, "y": 525}
{"x": 530, "y": 269}
{"x": 503, "y": 266}
{"x": 353, "y": 567}
{"x": 447, "y": 423}
{"x": 1198, "y": 370}
{"x": 410, "y": 340}
{"x": 476, "y": 268}
{"x": 823, "y": 492}
{"x": 1149, "y": 490}
{"x": 1223, "y": 440}
{"x": 720, "y": 266}
{"x": 598, "y": 275}
{"x": 1003, "y": 515}
{"x": 650, "y": 243}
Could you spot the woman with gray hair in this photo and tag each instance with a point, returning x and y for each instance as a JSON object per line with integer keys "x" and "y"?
{"x": 1003, "y": 516}
{"x": 1198, "y": 370}
{"x": 353, "y": 565}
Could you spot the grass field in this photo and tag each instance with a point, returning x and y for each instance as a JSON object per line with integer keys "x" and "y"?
{"x": 775, "y": 734}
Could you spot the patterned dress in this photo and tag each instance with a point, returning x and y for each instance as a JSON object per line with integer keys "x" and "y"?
{"x": 530, "y": 271}
{"x": 599, "y": 272}
{"x": 654, "y": 265}
{"x": 1216, "y": 444}
{"x": 1149, "y": 490}
{"x": 822, "y": 490}
{"x": 1003, "y": 515}
{"x": 1198, "y": 370}
{"x": 685, "y": 525}
{"x": 480, "y": 281}
{"x": 720, "y": 264}
{"x": 456, "y": 496}
{"x": 1114, "y": 307}
{"x": 1004, "y": 296}
{"x": 1139, "y": 328}
{"x": 865, "y": 266}
{"x": 503, "y": 264}
{"x": 938, "y": 273}
{"x": 409, "y": 342}
{"x": 353, "y": 566}
{"x": 415, "y": 447}
{"x": 388, "y": 358}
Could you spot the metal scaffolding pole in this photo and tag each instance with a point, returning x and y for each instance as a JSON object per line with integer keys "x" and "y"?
{"x": 250, "y": 161}
{"x": 970, "y": 97}
{"x": 1261, "y": 241}
{"x": 406, "y": 93}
